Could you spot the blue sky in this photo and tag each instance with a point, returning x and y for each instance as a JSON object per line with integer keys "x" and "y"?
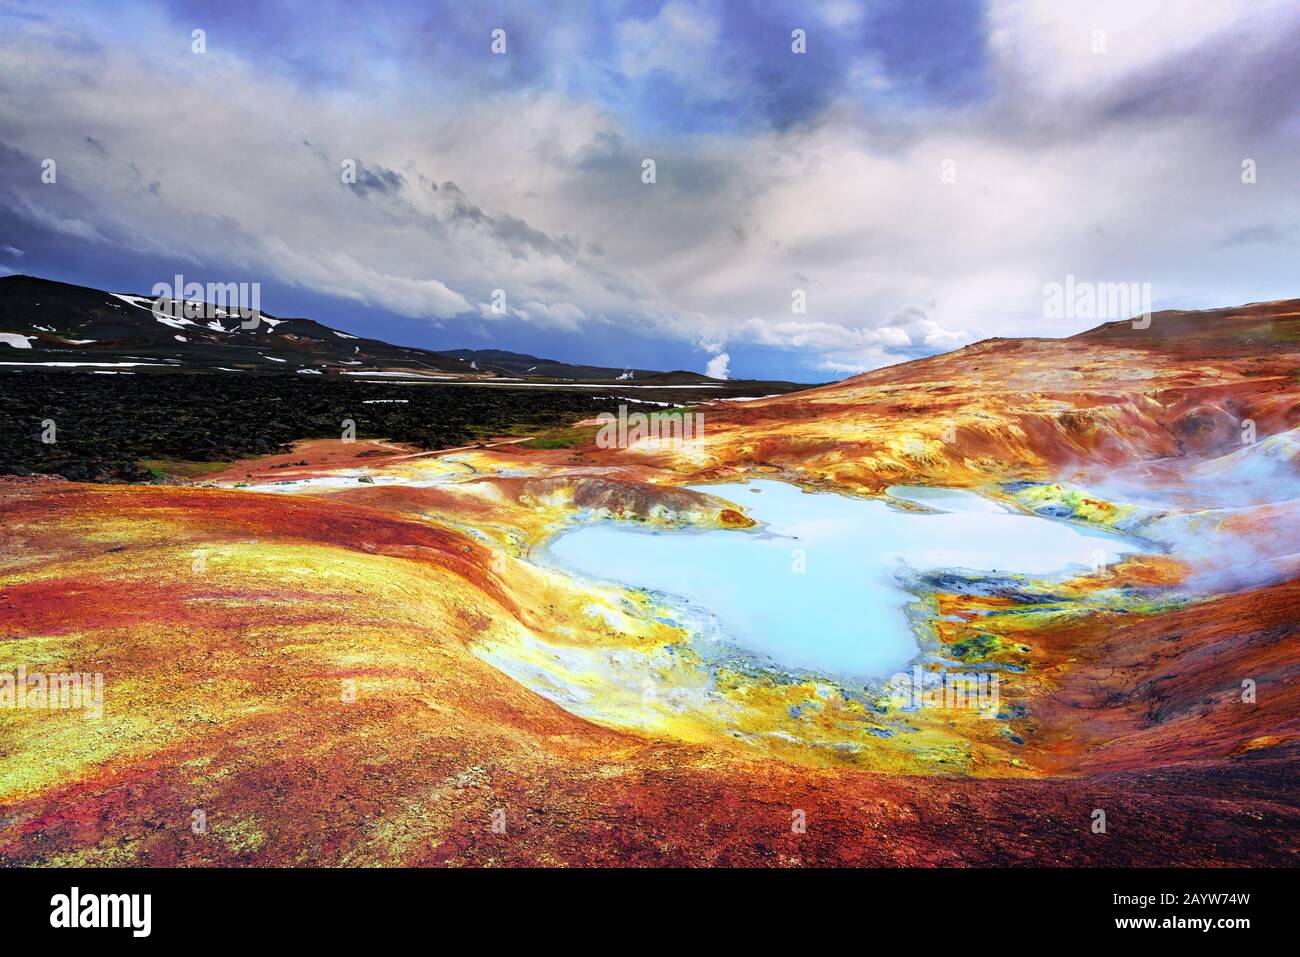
{"x": 916, "y": 176}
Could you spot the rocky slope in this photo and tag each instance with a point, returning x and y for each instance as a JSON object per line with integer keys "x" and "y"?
{"x": 75, "y": 325}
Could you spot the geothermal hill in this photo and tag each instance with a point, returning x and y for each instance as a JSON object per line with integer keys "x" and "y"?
{"x": 1007, "y": 408}
{"x": 1245, "y": 326}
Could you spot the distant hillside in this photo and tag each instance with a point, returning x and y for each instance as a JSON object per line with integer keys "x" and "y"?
{"x": 60, "y": 325}
{"x": 522, "y": 364}
{"x": 1253, "y": 322}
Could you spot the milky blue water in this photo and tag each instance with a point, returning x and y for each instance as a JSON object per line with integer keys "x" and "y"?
{"x": 815, "y": 588}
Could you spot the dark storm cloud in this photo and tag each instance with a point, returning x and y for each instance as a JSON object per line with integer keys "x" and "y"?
{"x": 377, "y": 179}
{"x": 1252, "y": 82}
{"x": 1266, "y": 234}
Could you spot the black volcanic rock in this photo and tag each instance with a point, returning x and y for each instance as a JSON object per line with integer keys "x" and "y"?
{"x": 106, "y": 425}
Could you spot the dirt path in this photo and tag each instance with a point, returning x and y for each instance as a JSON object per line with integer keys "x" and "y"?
{"x": 459, "y": 448}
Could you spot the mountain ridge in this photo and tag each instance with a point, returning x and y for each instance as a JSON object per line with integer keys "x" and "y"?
{"x": 45, "y": 322}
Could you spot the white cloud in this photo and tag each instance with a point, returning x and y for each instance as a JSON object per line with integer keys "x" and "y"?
{"x": 339, "y": 274}
{"x": 560, "y": 315}
{"x": 717, "y": 367}
{"x": 1048, "y": 48}
{"x": 841, "y": 13}
{"x": 678, "y": 40}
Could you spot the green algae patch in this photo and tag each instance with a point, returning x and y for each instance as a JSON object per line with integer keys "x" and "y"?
{"x": 985, "y": 647}
{"x": 1056, "y": 501}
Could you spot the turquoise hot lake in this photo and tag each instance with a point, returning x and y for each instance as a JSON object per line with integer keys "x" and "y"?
{"x": 843, "y": 613}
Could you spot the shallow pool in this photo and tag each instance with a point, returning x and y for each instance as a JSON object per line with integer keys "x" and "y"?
{"x": 815, "y": 588}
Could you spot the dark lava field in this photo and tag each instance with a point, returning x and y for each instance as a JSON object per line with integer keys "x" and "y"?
{"x": 103, "y": 426}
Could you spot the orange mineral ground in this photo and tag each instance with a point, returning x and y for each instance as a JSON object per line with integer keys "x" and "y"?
{"x": 359, "y": 660}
